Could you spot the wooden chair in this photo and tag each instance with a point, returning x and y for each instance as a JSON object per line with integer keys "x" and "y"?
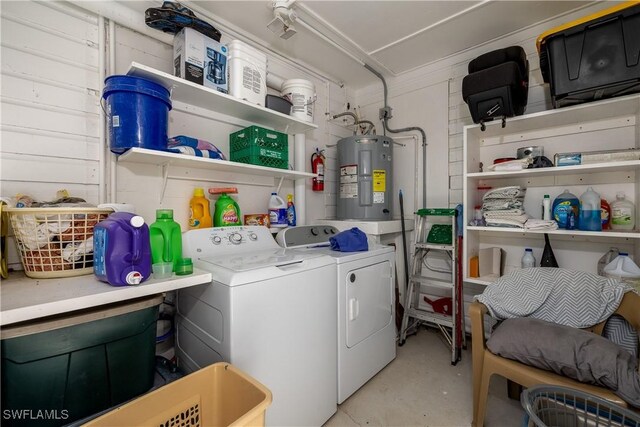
{"x": 486, "y": 364}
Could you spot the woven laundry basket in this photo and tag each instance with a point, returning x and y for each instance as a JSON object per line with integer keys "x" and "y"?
{"x": 55, "y": 242}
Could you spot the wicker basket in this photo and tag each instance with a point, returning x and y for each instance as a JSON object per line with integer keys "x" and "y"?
{"x": 55, "y": 242}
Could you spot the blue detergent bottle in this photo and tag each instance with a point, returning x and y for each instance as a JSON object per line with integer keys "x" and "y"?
{"x": 565, "y": 206}
{"x": 291, "y": 211}
{"x": 590, "y": 211}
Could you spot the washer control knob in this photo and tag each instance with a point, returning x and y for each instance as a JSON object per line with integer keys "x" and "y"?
{"x": 216, "y": 240}
{"x": 333, "y": 231}
{"x": 235, "y": 238}
{"x": 314, "y": 231}
{"x": 253, "y": 236}
{"x": 326, "y": 231}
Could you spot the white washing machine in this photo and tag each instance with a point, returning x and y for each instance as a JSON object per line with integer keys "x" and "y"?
{"x": 269, "y": 311}
{"x": 366, "y": 312}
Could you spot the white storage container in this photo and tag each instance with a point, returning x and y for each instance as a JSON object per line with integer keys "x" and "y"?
{"x": 247, "y": 72}
{"x": 302, "y": 94}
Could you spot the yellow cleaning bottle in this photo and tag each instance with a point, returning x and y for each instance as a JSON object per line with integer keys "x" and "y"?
{"x": 200, "y": 216}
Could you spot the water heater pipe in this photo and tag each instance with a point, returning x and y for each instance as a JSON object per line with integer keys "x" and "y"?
{"x": 385, "y": 120}
{"x": 274, "y": 81}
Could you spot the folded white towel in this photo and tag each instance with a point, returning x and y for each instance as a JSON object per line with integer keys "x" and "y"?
{"x": 502, "y": 204}
{"x": 506, "y": 213}
{"x": 504, "y": 193}
{"x": 540, "y": 224}
{"x": 504, "y": 222}
{"x": 512, "y": 165}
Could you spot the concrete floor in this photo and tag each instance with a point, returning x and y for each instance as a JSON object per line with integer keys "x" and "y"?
{"x": 421, "y": 388}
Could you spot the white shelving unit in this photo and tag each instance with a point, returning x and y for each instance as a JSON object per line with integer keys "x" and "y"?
{"x": 601, "y": 125}
{"x": 218, "y": 102}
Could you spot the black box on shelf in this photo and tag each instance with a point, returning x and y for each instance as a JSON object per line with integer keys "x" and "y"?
{"x": 594, "y": 57}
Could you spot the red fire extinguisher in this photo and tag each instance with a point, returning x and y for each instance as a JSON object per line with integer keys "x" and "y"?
{"x": 317, "y": 167}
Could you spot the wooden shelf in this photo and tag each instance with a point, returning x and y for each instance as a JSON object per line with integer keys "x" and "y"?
{"x": 23, "y": 298}
{"x": 163, "y": 158}
{"x": 578, "y": 114}
{"x": 624, "y": 166}
{"x": 212, "y": 100}
{"x": 570, "y": 233}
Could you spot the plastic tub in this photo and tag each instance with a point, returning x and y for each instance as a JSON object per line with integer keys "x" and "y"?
{"x": 302, "y": 95}
{"x": 137, "y": 113}
{"x": 79, "y": 364}
{"x": 247, "y": 72}
{"x": 594, "y": 57}
{"x": 162, "y": 270}
{"x": 217, "y": 395}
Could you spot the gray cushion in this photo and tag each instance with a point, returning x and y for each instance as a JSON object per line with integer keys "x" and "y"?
{"x": 571, "y": 352}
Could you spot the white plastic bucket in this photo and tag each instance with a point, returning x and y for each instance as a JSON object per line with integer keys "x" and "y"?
{"x": 623, "y": 268}
{"x": 302, "y": 95}
{"x": 247, "y": 72}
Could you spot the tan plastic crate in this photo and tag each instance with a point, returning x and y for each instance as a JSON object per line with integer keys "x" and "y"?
{"x": 218, "y": 395}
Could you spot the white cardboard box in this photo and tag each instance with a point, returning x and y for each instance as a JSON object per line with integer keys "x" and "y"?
{"x": 200, "y": 59}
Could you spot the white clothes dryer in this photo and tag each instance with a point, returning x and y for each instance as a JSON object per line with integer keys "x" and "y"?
{"x": 366, "y": 304}
{"x": 269, "y": 311}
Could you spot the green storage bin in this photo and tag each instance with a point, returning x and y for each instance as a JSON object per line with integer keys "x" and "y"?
{"x": 68, "y": 368}
{"x": 259, "y": 146}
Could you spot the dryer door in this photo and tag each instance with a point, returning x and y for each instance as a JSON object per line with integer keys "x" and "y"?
{"x": 369, "y": 298}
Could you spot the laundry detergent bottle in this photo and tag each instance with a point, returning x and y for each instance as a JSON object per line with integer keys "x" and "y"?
{"x": 277, "y": 211}
{"x": 590, "y": 211}
{"x": 166, "y": 238}
{"x": 200, "y": 214}
{"x": 291, "y": 211}
{"x": 122, "y": 253}
{"x": 227, "y": 211}
{"x": 565, "y": 206}
{"x": 623, "y": 213}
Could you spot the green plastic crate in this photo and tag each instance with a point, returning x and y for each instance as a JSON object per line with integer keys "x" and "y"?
{"x": 436, "y": 212}
{"x": 259, "y": 146}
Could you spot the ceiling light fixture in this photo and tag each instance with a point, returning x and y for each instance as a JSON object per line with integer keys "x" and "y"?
{"x": 283, "y": 18}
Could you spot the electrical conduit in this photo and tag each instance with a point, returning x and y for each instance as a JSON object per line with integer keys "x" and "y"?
{"x": 407, "y": 129}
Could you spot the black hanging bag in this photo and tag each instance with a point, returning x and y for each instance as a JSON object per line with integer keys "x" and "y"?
{"x": 497, "y": 85}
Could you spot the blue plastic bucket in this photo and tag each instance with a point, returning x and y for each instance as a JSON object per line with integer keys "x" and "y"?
{"x": 137, "y": 113}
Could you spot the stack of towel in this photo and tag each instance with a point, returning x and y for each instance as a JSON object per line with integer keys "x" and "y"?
{"x": 193, "y": 147}
{"x": 503, "y": 207}
{"x": 540, "y": 224}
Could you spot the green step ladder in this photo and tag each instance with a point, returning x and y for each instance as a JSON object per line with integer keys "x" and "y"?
{"x": 437, "y": 235}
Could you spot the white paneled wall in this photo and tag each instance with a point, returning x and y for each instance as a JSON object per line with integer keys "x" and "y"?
{"x": 50, "y": 101}
{"x": 453, "y": 69}
{"x": 49, "y": 126}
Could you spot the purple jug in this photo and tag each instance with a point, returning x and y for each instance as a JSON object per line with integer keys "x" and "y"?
{"x": 122, "y": 250}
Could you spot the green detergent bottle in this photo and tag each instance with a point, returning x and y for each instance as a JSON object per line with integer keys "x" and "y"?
{"x": 227, "y": 212}
{"x": 166, "y": 238}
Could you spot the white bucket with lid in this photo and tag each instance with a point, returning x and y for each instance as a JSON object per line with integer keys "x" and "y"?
{"x": 247, "y": 72}
{"x": 302, "y": 94}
